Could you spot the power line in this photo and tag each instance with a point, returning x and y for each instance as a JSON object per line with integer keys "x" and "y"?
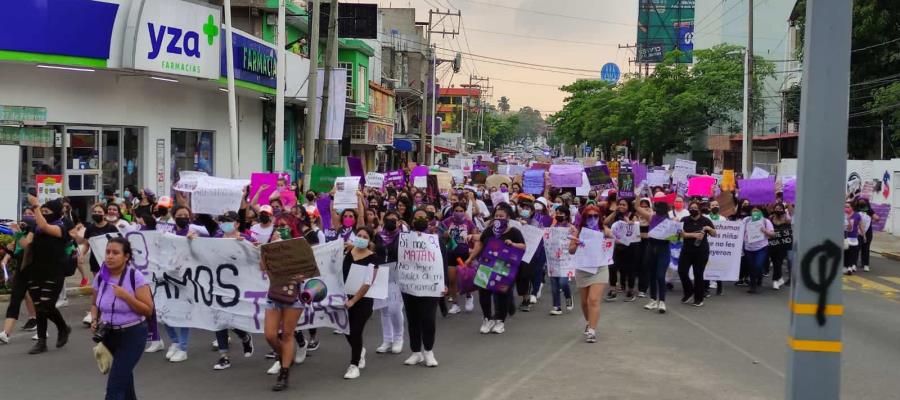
{"x": 630, "y": 25}
{"x": 876, "y": 45}
{"x": 526, "y": 83}
{"x": 545, "y": 38}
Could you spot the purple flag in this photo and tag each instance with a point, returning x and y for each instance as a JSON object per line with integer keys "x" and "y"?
{"x": 882, "y": 210}
{"x": 566, "y": 175}
{"x": 758, "y": 191}
{"x": 356, "y": 169}
{"x": 323, "y": 204}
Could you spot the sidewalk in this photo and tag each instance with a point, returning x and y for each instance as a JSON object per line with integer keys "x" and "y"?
{"x": 887, "y": 245}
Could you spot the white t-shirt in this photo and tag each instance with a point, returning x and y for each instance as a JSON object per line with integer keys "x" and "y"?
{"x": 263, "y": 235}
{"x": 679, "y": 214}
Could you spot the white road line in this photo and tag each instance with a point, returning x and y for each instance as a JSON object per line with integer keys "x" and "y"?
{"x": 489, "y": 392}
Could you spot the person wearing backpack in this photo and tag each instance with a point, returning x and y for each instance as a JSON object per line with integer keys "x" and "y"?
{"x": 47, "y": 270}
{"x": 120, "y": 306}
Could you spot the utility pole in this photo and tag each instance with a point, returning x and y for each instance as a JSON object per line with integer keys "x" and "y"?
{"x": 434, "y": 63}
{"x": 312, "y": 98}
{"x": 330, "y": 63}
{"x": 232, "y": 100}
{"x": 814, "y": 341}
{"x": 281, "y": 63}
{"x": 747, "y": 149}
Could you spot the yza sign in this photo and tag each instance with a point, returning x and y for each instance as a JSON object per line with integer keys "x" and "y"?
{"x": 178, "y": 37}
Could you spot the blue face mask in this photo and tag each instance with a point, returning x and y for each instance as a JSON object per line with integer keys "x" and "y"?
{"x": 127, "y": 194}
{"x": 360, "y": 243}
{"x": 525, "y": 213}
{"x": 227, "y": 227}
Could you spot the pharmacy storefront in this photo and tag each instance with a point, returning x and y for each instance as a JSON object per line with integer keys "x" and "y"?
{"x": 134, "y": 96}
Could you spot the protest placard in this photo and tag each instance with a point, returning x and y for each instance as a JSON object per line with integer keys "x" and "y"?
{"x": 759, "y": 173}
{"x": 566, "y": 175}
{"x": 286, "y": 259}
{"x": 789, "y": 189}
{"x": 322, "y": 177}
{"x": 345, "y": 193}
{"x": 544, "y": 166}
{"x": 375, "y": 180}
{"x": 758, "y": 191}
{"x": 323, "y": 205}
{"x": 495, "y": 180}
{"x": 640, "y": 173}
{"x": 420, "y": 266}
{"x": 497, "y": 266}
{"x": 626, "y": 232}
{"x": 755, "y": 231}
{"x": 533, "y": 181}
{"x": 556, "y": 246}
{"x": 499, "y": 197}
{"x": 725, "y": 251}
{"x": 533, "y": 236}
{"x": 612, "y": 168}
{"x": 258, "y": 179}
{"x": 187, "y": 180}
{"x": 585, "y": 188}
{"x": 355, "y": 165}
{"x": 479, "y": 176}
{"x": 700, "y": 186}
{"x": 626, "y": 184}
{"x": 657, "y": 178}
{"x": 420, "y": 181}
{"x": 431, "y": 187}
{"x": 397, "y": 178}
{"x": 215, "y": 196}
{"x": 49, "y": 187}
{"x": 377, "y": 280}
{"x": 682, "y": 169}
{"x": 458, "y": 176}
{"x": 728, "y": 182}
{"x": 883, "y": 211}
{"x": 598, "y": 175}
{"x": 594, "y": 251}
{"x": 444, "y": 180}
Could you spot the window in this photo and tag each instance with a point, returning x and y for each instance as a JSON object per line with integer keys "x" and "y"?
{"x": 363, "y": 86}
{"x": 357, "y": 130}
{"x": 191, "y": 151}
{"x": 349, "y": 68}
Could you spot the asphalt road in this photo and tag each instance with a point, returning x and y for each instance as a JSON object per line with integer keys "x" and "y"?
{"x": 733, "y": 348}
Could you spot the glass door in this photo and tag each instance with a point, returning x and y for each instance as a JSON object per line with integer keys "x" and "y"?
{"x": 82, "y": 161}
{"x": 112, "y": 161}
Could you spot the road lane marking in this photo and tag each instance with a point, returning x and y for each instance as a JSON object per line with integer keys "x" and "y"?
{"x": 868, "y": 284}
{"x": 489, "y": 392}
{"x": 892, "y": 279}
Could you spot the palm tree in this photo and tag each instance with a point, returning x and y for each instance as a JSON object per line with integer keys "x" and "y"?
{"x": 503, "y": 104}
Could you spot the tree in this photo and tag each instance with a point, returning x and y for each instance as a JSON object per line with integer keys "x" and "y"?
{"x": 503, "y": 104}
{"x": 887, "y": 105}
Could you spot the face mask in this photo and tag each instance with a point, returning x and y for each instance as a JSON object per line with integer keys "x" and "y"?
{"x": 285, "y": 233}
{"x": 863, "y": 208}
{"x": 310, "y": 197}
{"x": 778, "y": 213}
{"x": 265, "y": 219}
{"x": 430, "y": 215}
{"x": 503, "y": 190}
{"x": 97, "y": 218}
{"x": 704, "y": 210}
{"x": 714, "y": 210}
{"x": 694, "y": 213}
{"x": 348, "y": 222}
{"x": 390, "y": 225}
{"x": 560, "y": 218}
{"x": 848, "y": 210}
{"x": 756, "y": 215}
{"x": 227, "y": 227}
{"x": 679, "y": 205}
{"x": 593, "y": 222}
{"x": 746, "y": 208}
{"x": 111, "y": 218}
{"x": 525, "y": 213}
{"x": 420, "y": 224}
{"x": 182, "y": 222}
{"x": 459, "y": 216}
{"x": 360, "y": 243}
{"x": 500, "y": 226}
{"x": 556, "y": 205}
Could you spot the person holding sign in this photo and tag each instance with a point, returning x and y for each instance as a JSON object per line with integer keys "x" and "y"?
{"x": 625, "y": 227}
{"x": 392, "y": 313}
{"x": 495, "y": 317}
{"x": 458, "y": 229}
{"x": 694, "y": 253}
{"x": 663, "y": 229}
{"x": 562, "y": 219}
{"x": 780, "y": 244}
{"x": 360, "y": 255}
{"x": 590, "y": 283}
{"x": 757, "y": 232}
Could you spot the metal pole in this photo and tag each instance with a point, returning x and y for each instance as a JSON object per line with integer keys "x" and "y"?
{"x": 423, "y": 133}
{"x": 433, "y": 99}
{"x": 481, "y": 125}
{"x": 814, "y": 342}
{"x": 309, "y": 141}
{"x": 278, "y": 164}
{"x": 881, "y": 142}
{"x": 232, "y": 100}
{"x": 747, "y": 150}
{"x": 330, "y": 63}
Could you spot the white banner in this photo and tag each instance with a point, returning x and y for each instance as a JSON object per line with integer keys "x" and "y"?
{"x": 533, "y": 236}
{"x": 345, "y": 189}
{"x": 215, "y": 284}
{"x": 725, "y": 251}
{"x": 187, "y": 180}
{"x": 375, "y": 180}
{"x": 420, "y": 266}
{"x": 682, "y": 169}
{"x": 595, "y": 251}
{"x": 215, "y": 196}
{"x": 556, "y": 246}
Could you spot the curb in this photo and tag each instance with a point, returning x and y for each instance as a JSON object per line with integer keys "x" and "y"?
{"x": 888, "y": 255}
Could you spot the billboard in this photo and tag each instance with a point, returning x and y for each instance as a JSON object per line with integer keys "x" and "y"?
{"x": 663, "y": 26}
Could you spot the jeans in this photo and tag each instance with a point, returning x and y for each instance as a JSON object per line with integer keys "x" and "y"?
{"x": 44, "y": 293}
{"x": 420, "y": 314}
{"x": 179, "y": 336}
{"x": 523, "y": 279}
{"x": 153, "y": 328}
{"x": 539, "y": 266}
{"x": 501, "y": 302}
{"x": 756, "y": 260}
{"x": 19, "y": 289}
{"x": 558, "y": 283}
{"x": 358, "y": 315}
{"x": 222, "y": 338}
{"x": 696, "y": 259}
{"x": 126, "y": 346}
{"x": 659, "y": 259}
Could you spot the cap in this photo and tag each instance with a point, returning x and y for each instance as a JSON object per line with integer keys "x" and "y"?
{"x": 228, "y": 216}
{"x": 164, "y": 201}
{"x": 543, "y": 201}
{"x": 526, "y": 197}
{"x": 266, "y": 209}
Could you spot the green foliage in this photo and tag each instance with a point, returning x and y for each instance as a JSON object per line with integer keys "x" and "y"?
{"x": 887, "y": 105}
{"x": 523, "y": 126}
{"x": 663, "y": 112}
{"x": 503, "y": 104}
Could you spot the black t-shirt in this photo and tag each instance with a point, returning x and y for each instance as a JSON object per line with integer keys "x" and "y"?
{"x": 49, "y": 253}
{"x": 349, "y": 261}
{"x": 94, "y": 230}
{"x": 693, "y": 226}
{"x": 512, "y": 234}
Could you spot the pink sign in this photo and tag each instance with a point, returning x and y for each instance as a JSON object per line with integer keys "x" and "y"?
{"x": 257, "y": 179}
{"x": 701, "y": 186}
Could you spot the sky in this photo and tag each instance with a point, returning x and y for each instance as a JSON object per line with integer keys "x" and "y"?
{"x": 518, "y": 30}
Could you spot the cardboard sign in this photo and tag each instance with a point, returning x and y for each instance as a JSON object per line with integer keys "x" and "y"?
{"x": 594, "y": 251}
{"x": 420, "y": 181}
{"x": 701, "y": 186}
{"x": 322, "y": 177}
{"x": 494, "y": 181}
{"x": 375, "y": 180}
{"x": 420, "y": 266}
{"x": 479, "y": 177}
{"x": 556, "y": 246}
{"x": 759, "y": 173}
{"x": 657, "y": 178}
{"x": 499, "y": 197}
{"x": 287, "y": 258}
{"x": 215, "y": 196}
{"x": 728, "y": 182}
{"x": 683, "y": 168}
{"x": 498, "y": 266}
{"x": 613, "y": 169}
{"x": 533, "y": 181}
{"x": 345, "y": 193}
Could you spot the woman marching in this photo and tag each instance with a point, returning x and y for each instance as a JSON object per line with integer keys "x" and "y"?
{"x": 562, "y": 218}
{"x": 228, "y": 230}
{"x": 694, "y": 253}
{"x": 359, "y": 307}
{"x": 757, "y": 232}
{"x": 662, "y": 230}
{"x": 179, "y": 335}
{"x": 392, "y": 310}
{"x": 458, "y": 228}
{"x": 625, "y": 254}
{"x": 421, "y": 310}
{"x": 780, "y": 245}
{"x": 590, "y": 284}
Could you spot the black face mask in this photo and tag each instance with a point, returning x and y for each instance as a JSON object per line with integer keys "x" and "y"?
{"x": 714, "y": 210}
{"x": 560, "y": 218}
{"x": 778, "y": 213}
{"x": 310, "y": 197}
{"x": 160, "y": 212}
{"x": 265, "y": 219}
{"x": 182, "y": 222}
{"x": 705, "y": 210}
{"x": 430, "y": 215}
{"x": 390, "y": 225}
{"x": 746, "y": 209}
{"x": 97, "y": 217}
{"x": 420, "y": 225}
{"x": 694, "y": 213}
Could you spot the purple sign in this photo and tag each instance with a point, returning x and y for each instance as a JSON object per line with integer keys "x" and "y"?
{"x": 356, "y": 169}
{"x": 323, "y": 204}
{"x": 640, "y": 173}
{"x": 882, "y": 210}
{"x": 758, "y": 191}
{"x": 254, "y": 62}
{"x": 565, "y": 175}
{"x": 396, "y": 177}
{"x": 497, "y": 266}
{"x": 533, "y": 181}
{"x": 789, "y": 192}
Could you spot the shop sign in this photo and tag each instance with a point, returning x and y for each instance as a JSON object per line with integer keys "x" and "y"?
{"x": 79, "y": 28}
{"x": 254, "y": 62}
{"x": 49, "y": 187}
{"x": 178, "y": 37}
{"x": 378, "y": 133}
{"x": 27, "y": 136}
{"x": 24, "y": 115}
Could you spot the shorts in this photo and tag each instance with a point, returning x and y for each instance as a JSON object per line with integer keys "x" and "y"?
{"x": 275, "y": 305}
{"x": 584, "y": 279}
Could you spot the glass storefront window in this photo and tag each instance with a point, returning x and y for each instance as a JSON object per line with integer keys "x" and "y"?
{"x": 132, "y": 157}
{"x": 191, "y": 151}
{"x": 111, "y": 161}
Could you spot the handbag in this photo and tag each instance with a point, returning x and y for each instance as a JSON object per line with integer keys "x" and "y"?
{"x": 103, "y": 357}
{"x": 287, "y": 293}
{"x": 465, "y": 276}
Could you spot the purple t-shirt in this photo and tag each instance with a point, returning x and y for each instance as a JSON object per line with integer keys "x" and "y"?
{"x": 123, "y": 314}
{"x": 459, "y": 232}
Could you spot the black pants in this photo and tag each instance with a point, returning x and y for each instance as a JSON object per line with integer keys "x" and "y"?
{"x": 623, "y": 271}
{"x": 358, "y": 315}
{"x": 642, "y": 267}
{"x": 744, "y": 274}
{"x": 523, "y": 279}
{"x": 501, "y": 302}
{"x": 19, "y": 289}
{"x": 695, "y": 258}
{"x": 44, "y": 293}
{"x": 851, "y": 255}
{"x": 420, "y": 318}
{"x": 865, "y": 248}
{"x": 777, "y": 254}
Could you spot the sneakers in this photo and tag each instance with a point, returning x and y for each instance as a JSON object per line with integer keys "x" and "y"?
{"x": 569, "y": 304}
{"x": 713, "y": 284}
{"x": 686, "y": 299}
{"x": 776, "y": 285}
{"x": 87, "y": 319}
{"x": 498, "y": 328}
{"x": 611, "y": 296}
{"x": 171, "y": 352}
{"x": 385, "y": 346}
{"x": 63, "y": 336}
{"x": 4, "y": 338}
{"x": 35, "y": 337}
{"x": 299, "y": 354}
{"x": 430, "y": 361}
{"x": 248, "y": 347}
{"x": 642, "y": 295}
{"x": 848, "y": 271}
{"x": 62, "y": 303}
{"x": 352, "y": 372}
{"x": 590, "y": 336}
{"x": 415, "y": 358}
{"x": 223, "y": 363}
{"x": 454, "y": 309}
{"x": 470, "y": 303}
{"x": 652, "y": 305}
{"x": 31, "y": 324}
{"x": 215, "y": 343}
{"x": 661, "y": 307}
{"x": 556, "y": 311}
{"x": 39, "y": 347}
{"x": 362, "y": 359}
{"x": 487, "y": 325}
{"x": 312, "y": 345}
{"x": 525, "y": 306}
{"x": 540, "y": 289}
{"x": 397, "y": 347}
{"x": 629, "y": 297}
{"x": 532, "y": 299}
{"x": 281, "y": 382}
{"x": 155, "y": 345}
{"x": 272, "y": 355}
{"x": 866, "y": 268}
{"x": 742, "y": 282}
{"x": 700, "y": 304}
{"x": 179, "y": 356}
{"x": 274, "y": 369}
